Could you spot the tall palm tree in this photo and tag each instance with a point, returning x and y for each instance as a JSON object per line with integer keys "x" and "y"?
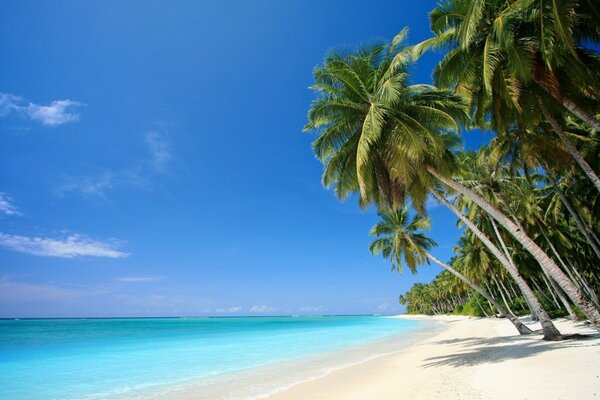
{"x": 549, "y": 329}
{"x": 515, "y": 59}
{"x": 375, "y": 128}
{"x": 401, "y": 239}
{"x": 475, "y": 174}
{"x": 387, "y": 140}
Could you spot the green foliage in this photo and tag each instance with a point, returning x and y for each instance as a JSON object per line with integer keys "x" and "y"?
{"x": 511, "y": 67}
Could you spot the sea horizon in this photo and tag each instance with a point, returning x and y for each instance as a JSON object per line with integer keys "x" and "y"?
{"x": 205, "y": 316}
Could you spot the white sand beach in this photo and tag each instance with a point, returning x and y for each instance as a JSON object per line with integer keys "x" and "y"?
{"x": 475, "y": 358}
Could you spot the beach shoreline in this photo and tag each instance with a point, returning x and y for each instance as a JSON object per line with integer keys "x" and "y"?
{"x": 474, "y": 358}
{"x": 262, "y": 382}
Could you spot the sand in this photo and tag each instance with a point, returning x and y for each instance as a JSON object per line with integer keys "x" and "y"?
{"x": 475, "y": 358}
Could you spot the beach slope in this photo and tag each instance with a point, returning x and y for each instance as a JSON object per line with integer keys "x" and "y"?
{"x": 475, "y": 358}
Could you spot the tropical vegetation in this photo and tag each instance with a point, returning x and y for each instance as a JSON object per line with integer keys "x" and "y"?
{"x": 527, "y": 202}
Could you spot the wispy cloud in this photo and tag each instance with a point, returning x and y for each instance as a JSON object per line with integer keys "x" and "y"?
{"x": 70, "y": 247}
{"x": 160, "y": 150}
{"x": 87, "y": 185}
{"x": 139, "y": 175}
{"x": 58, "y": 112}
{"x": 7, "y": 207}
{"x": 138, "y": 279}
{"x": 101, "y": 183}
{"x": 261, "y": 309}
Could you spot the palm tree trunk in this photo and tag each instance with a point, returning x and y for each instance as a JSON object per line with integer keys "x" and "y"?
{"x": 534, "y": 305}
{"x": 502, "y": 294}
{"x": 515, "y": 321}
{"x": 542, "y": 258}
{"x": 550, "y": 331}
{"x": 540, "y": 290}
{"x": 582, "y": 228}
{"x": 492, "y": 294}
{"x": 550, "y": 289}
{"x": 571, "y": 148}
{"x": 512, "y": 289}
{"x": 583, "y": 281}
{"x": 480, "y": 306}
{"x": 570, "y": 105}
{"x": 563, "y": 299}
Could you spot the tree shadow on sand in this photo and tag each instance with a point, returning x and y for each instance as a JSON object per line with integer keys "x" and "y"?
{"x": 494, "y": 350}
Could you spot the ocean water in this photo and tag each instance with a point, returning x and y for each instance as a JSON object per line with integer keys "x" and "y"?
{"x": 85, "y": 359}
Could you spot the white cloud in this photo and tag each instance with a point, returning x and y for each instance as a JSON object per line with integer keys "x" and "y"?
{"x": 70, "y": 247}
{"x": 138, "y": 279}
{"x": 56, "y": 113}
{"x": 160, "y": 149}
{"x": 7, "y": 207}
{"x": 261, "y": 309}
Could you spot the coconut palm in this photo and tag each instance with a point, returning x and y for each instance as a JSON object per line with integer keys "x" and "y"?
{"x": 389, "y": 141}
{"x": 374, "y": 126}
{"x": 514, "y": 228}
{"x": 514, "y": 61}
{"x": 550, "y": 331}
{"x": 401, "y": 240}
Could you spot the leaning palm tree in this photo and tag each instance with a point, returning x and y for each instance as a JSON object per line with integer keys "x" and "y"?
{"x": 549, "y": 329}
{"x": 519, "y": 60}
{"x": 389, "y": 141}
{"x": 401, "y": 239}
{"x": 375, "y": 128}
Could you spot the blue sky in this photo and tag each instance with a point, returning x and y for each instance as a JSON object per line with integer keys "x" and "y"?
{"x": 153, "y": 160}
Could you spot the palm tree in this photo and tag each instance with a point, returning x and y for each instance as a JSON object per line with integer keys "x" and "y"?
{"x": 387, "y": 140}
{"x": 514, "y": 61}
{"x": 374, "y": 127}
{"x": 398, "y": 238}
{"x": 521, "y": 236}
{"x": 550, "y": 331}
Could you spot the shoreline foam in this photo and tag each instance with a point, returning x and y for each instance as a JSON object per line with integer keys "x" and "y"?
{"x": 266, "y": 381}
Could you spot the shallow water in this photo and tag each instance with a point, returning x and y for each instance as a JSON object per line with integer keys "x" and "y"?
{"x": 146, "y": 358}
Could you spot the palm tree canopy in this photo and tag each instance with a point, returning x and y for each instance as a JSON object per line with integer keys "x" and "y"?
{"x": 400, "y": 237}
{"x": 375, "y": 130}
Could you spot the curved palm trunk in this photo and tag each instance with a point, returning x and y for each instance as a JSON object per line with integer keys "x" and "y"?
{"x": 542, "y": 258}
{"x": 502, "y": 294}
{"x": 571, "y": 148}
{"x": 550, "y": 331}
{"x": 551, "y": 289}
{"x": 572, "y": 272}
{"x": 570, "y": 105}
{"x": 582, "y": 228}
{"x": 563, "y": 299}
{"x": 583, "y": 282}
{"x": 515, "y": 321}
{"x": 527, "y": 292}
{"x": 480, "y": 306}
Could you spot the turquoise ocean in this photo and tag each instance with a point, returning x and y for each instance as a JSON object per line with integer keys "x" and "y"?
{"x": 83, "y": 359}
